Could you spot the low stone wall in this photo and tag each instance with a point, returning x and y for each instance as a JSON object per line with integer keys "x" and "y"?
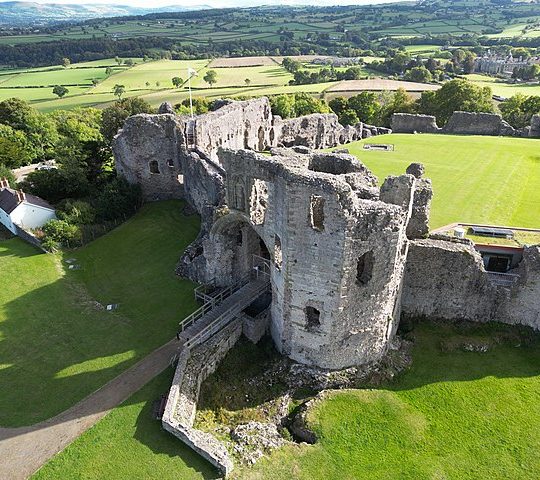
{"x": 446, "y": 279}
{"x": 193, "y": 367}
{"x": 467, "y": 123}
{"x": 29, "y": 238}
{"x": 412, "y": 123}
{"x": 463, "y": 123}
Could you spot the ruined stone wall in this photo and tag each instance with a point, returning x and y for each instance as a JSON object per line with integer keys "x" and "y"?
{"x": 467, "y": 123}
{"x": 147, "y": 152}
{"x": 463, "y": 123}
{"x": 413, "y": 123}
{"x": 337, "y": 250}
{"x": 535, "y": 126}
{"x": 446, "y": 279}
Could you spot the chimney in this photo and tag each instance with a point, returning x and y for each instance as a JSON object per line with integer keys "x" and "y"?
{"x": 4, "y": 182}
{"x": 21, "y": 196}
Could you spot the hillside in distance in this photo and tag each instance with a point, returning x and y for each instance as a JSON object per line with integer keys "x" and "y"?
{"x": 31, "y": 13}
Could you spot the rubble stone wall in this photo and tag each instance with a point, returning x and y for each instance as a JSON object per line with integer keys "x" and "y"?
{"x": 463, "y": 123}
{"x": 413, "y": 123}
{"x": 446, "y": 279}
{"x": 337, "y": 250}
{"x": 193, "y": 367}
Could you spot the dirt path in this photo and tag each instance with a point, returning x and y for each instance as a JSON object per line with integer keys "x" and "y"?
{"x": 24, "y": 450}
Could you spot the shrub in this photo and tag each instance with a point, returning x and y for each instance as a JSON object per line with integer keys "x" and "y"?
{"x": 62, "y": 233}
{"x": 77, "y": 212}
{"x": 118, "y": 198}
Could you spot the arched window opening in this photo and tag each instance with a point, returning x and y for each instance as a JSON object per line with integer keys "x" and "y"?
{"x": 364, "y": 268}
{"x": 313, "y": 318}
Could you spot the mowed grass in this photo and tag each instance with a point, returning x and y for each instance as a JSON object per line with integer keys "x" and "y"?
{"x": 492, "y": 180}
{"x": 504, "y": 89}
{"x": 56, "y": 344}
{"x": 454, "y": 415}
{"x": 129, "y": 443}
{"x": 235, "y": 77}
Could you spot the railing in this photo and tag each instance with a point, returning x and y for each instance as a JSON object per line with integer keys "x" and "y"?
{"x": 261, "y": 266}
{"x": 220, "y": 322}
{"x": 203, "y": 292}
{"x": 503, "y": 279}
{"x": 211, "y": 303}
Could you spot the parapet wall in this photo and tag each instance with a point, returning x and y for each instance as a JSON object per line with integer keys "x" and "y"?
{"x": 446, "y": 279}
{"x": 193, "y": 367}
{"x": 463, "y": 123}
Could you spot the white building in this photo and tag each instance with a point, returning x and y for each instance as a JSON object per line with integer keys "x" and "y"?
{"x": 24, "y": 210}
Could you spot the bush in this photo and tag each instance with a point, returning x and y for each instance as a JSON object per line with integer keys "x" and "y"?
{"x": 6, "y": 172}
{"x": 60, "y": 232}
{"x": 118, "y": 199}
{"x": 77, "y": 212}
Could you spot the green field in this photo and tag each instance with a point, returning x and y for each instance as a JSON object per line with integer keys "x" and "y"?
{"x": 491, "y": 180}
{"x": 129, "y": 443}
{"x": 56, "y": 344}
{"x": 454, "y": 415}
{"x": 504, "y": 89}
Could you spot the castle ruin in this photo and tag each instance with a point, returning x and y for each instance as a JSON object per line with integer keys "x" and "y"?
{"x": 339, "y": 259}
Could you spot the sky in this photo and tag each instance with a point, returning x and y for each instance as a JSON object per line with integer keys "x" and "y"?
{"x": 215, "y": 3}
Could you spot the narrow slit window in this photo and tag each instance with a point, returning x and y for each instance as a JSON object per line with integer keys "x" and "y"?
{"x": 316, "y": 212}
{"x": 154, "y": 167}
{"x": 313, "y": 318}
{"x": 364, "y": 268}
{"x": 278, "y": 254}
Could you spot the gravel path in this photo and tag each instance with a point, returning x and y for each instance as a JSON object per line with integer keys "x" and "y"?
{"x": 24, "y": 450}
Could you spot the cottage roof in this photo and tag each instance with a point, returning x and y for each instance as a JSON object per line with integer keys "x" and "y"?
{"x": 9, "y": 200}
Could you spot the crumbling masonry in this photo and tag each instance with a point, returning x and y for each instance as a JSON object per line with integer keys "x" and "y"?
{"x": 347, "y": 259}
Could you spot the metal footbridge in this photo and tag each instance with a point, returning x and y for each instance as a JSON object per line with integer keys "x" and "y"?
{"x": 220, "y": 307}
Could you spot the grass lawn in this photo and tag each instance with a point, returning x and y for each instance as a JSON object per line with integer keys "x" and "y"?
{"x": 454, "y": 415}
{"x": 475, "y": 179}
{"x": 129, "y": 443}
{"x": 56, "y": 344}
{"x": 234, "y": 77}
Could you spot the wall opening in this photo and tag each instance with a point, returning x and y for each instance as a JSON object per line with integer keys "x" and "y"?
{"x": 364, "y": 268}
{"x": 272, "y": 136}
{"x": 316, "y": 212}
{"x": 154, "y": 167}
{"x": 278, "y": 254}
{"x": 239, "y": 238}
{"x": 246, "y": 139}
{"x": 258, "y": 201}
{"x": 260, "y": 135}
{"x": 313, "y": 318}
{"x": 239, "y": 197}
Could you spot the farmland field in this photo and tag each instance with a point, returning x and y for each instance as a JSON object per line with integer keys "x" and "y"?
{"x": 490, "y": 180}
{"x": 504, "y": 89}
{"x": 57, "y": 344}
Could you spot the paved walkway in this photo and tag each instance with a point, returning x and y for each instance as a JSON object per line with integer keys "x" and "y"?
{"x": 24, "y": 450}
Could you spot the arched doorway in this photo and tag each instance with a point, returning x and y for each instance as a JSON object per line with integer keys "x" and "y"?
{"x": 238, "y": 249}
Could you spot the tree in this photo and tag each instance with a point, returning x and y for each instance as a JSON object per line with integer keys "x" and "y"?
{"x": 119, "y": 91}
{"x": 247, "y": 81}
{"x": 348, "y": 117}
{"x": 177, "y": 81}
{"x": 38, "y": 129}
{"x": 66, "y": 62}
{"x": 113, "y": 117}
{"x": 129, "y": 62}
{"x": 519, "y": 109}
{"x": 95, "y": 82}
{"x": 366, "y": 106}
{"x": 210, "y": 77}
{"x": 14, "y": 149}
{"x": 456, "y": 95}
{"x": 338, "y": 105}
{"x": 118, "y": 60}
{"x": 418, "y": 74}
{"x": 60, "y": 90}
{"x": 108, "y": 71}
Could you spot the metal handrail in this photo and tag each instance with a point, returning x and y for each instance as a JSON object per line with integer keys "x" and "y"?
{"x": 219, "y": 322}
{"x": 210, "y": 304}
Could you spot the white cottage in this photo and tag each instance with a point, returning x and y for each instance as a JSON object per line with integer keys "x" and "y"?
{"x": 24, "y": 210}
